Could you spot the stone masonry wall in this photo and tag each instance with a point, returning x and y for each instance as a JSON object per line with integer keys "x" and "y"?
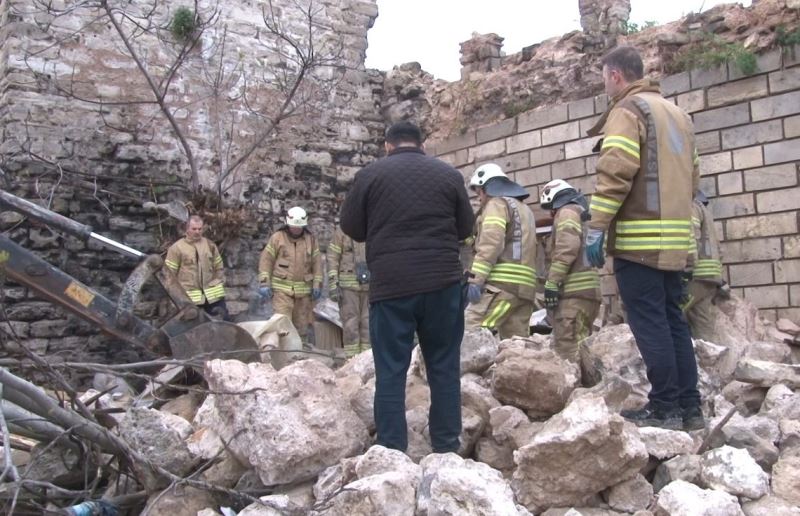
{"x": 748, "y": 136}
{"x": 98, "y": 164}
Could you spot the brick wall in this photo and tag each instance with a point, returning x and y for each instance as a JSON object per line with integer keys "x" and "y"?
{"x": 748, "y": 136}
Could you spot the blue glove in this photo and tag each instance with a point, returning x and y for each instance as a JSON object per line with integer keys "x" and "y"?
{"x": 474, "y": 293}
{"x": 265, "y": 292}
{"x": 594, "y": 247}
{"x": 315, "y": 293}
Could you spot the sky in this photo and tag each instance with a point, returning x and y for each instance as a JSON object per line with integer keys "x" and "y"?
{"x": 429, "y": 31}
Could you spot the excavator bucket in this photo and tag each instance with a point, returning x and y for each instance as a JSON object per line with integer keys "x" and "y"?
{"x": 215, "y": 339}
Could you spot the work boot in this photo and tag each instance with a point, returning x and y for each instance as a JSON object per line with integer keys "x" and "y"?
{"x": 649, "y": 416}
{"x": 693, "y": 418}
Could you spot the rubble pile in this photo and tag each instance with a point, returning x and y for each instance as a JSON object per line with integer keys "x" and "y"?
{"x": 540, "y": 436}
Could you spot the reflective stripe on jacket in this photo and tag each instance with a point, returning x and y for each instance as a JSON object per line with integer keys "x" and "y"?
{"x": 199, "y": 269}
{"x": 505, "y": 247}
{"x": 647, "y": 175}
{"x": 343, "y": 254}
{"x": 569, "y": 271}
{"x": 291, "y": 265}
{"x": 707, "y": 266}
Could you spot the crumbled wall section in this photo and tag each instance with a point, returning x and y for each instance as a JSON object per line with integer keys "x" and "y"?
{"x": 310, "y": 162}
{"x": 748, "y": 136}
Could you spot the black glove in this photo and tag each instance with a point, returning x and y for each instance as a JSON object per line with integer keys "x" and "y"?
{"x": 551, "y": 297}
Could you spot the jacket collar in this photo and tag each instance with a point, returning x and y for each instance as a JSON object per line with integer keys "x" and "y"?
{"x": 640, "y": 86}
{"x": 398, "y": 150}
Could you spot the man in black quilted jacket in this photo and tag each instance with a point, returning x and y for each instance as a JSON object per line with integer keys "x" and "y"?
{"x": 413, "y": 210}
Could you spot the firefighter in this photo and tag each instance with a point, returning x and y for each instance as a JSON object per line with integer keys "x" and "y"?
{"x": 198, "y": 264}
{"x": 348, "y": 283}
{"x": 290, "y": 270}
{"x": 502, "y": 282}
{"x": 706, "y": 283}
{"x": 572, "y": 287}
{"x": 647, "y": 175}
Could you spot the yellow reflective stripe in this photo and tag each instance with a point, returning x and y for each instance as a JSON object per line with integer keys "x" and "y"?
{"x": 498, "y": 312}
{"x": 314, "y": 253}
{"x": 497, "y": 221}
{"x": 550, "y": 285}
{"x": 695, "y": 158}
{"x": 172, "y": 265}
{"x": 335, "y": 248}
{"x": 263, "y": 276}
{"x": 218, "y": 259}
{"x": 514, "y": 267}
{"x": 332, "y": 274}
{"x": 271, "y": 250}
{"x": 651, "y": 243}
{"x": 629, "y": 227}
{"x": 569, "y": 224}
{"x": 586, "y": 285}
{"x": 623, "y": 143}
{"x": 479, "y": 267}
{"x": 507, "y": 278}
{"x": 469, "y": 240}
{"x": 195, "y": 295}
{"x": 695, "y": 221}
{"x": 559, "y": 267}
{"x": 604, "y": 204}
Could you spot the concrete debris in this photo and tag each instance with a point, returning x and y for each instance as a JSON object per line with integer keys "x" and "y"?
{"x": 786, "y": 476}
{"x": 734, "y": 471}
{"x": 664, "y": 444}
{"x": 770, "y": 505}
{"x": 576, "y": 454}
{"x": 307, "y": 423}
{"x": 682, "y": 467}
{"x": 681, "y": 498}
{"x": 478, "y": 351}
{"x": 538, "y": 382}
{"x": 631, "y": 495}
{"x": 767, "y": 374}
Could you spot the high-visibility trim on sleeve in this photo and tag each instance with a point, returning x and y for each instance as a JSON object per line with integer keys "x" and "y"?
{"x": 569, "y": 223}
{"x": 173, "y": 266}
{"x": 496, "y": 221}
{"x": 620, "y": 142}
{"x": 271, "y": 250}
{"x": 604, "y": 204}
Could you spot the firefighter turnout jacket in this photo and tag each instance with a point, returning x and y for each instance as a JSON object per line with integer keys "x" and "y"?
{"x": 346, "y": 259}
{"x": 291, "y": 265}
{"x": 505, "y": 247}
{"x": 199, "y": 268}
{"x": 707, "y": 265}
{"x": 569, "y": 271}
{"x": 646, "y": 178}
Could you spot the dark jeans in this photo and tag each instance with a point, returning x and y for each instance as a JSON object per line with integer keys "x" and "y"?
{"x": 217, "y": 309}
{"x": 651, "y": 298}
{"x": 438, "y": 319}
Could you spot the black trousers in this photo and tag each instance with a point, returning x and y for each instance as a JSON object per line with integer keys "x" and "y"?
{"x": 438, "y": 319}
{"x": 651, "y": 299}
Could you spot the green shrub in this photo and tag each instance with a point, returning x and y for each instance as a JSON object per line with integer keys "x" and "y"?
{"x": 714, "y": 51}
{"x": 183, "y": 23}
{"x": 633, "y": 28}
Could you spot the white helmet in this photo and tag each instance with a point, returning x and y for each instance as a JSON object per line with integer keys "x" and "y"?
{"x": 297, "y": 217}
{"x": 551, "y": 191}
{"x": 485, "y": 173}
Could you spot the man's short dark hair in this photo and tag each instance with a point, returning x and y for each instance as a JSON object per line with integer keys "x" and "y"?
{"x": 627, "y": 60}
{"x": 404, "y": 132}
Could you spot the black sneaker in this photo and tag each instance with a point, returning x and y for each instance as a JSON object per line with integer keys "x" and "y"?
{"x": 693, "y": 418}
{"x": 649, "y": 416}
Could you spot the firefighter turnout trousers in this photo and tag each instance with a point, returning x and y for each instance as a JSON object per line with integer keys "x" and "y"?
{"x": 572, "y": 324}
{"x": 501, "y": 312}
{"x": 297, "y": 308}
{"x": 354, "y": 311}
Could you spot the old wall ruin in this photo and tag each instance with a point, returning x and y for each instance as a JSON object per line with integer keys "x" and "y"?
{"x": 80, "y": 133}
{"x": 748, "y": 136}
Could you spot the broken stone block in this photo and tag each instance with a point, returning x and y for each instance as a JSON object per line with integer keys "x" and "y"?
{"x": 790, "y": 434}
{"x": 770, "y": 505}
{"x": 452, "y": 485}
{"x": 538, "y": 382}
{"x": 334, "y": 478}
{"x": 271, "y": 505}
{"x": 290, "y": 424}
{"x": 613, "y": 352}
{"x": 662, "y": 443}
{"x": 498, "y": 456}
{"x": 59, "y": 463}
{"x": 781, "y": 402}
{"x": 184, "y": 406}
{"x": 393, "y": 492}
{"x": 786, "y": 476}
{"x": 479, "y": 349}
{"x": 769, "y": 351}
{"x": 767, "y": 374}
{"x": 734, "y": 471}
{"x": 613, "y": 389}
{"x": 575, "y": 455}
{"x": 745, "y": 396}
{"x": 379, "y": 459}
{"x": 681, "y": 498}
{"x": 682, "y": 467}
{"x": 631, "y": 495}
{"x": 160, "y": 438}
{"x": 510, "y": 425}
{"x": 477, "y": 398}
{"x": 362, "y": 365}
{"x": 179, "y": 500}
{"x": 787, "y": 326}
{"x": 756, "y": 434}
